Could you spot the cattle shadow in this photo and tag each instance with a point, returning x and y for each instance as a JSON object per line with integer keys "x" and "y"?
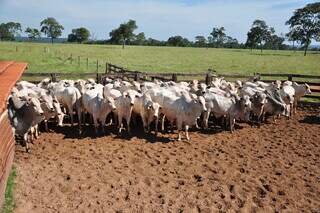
{"x": 311, "y": 119}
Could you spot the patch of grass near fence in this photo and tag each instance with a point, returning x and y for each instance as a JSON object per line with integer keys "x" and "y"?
{"x": 9, "y": 197}
{"x": 64, "y": 58}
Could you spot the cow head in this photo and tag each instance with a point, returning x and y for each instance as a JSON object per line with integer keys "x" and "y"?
{"x": 35, "y": 104}
{"x": 110, "y": 102}
{"x": 307, "y": 89}
{"x": 246, "y": 106}
{"x": 131, "y": 95}
{"x": 47, "y": 100}
{"x": 153, "y": 108}
{"x": 200, "y": 102}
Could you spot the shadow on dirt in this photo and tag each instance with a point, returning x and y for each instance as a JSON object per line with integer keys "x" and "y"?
{"x": 311, "y": 119}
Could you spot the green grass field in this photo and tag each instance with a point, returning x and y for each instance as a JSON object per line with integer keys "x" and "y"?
{"x": 158, "y": 59}
{"x": 9, "y": 203}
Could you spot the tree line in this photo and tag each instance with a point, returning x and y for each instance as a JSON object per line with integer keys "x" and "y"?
{"x": 304, "y": 26}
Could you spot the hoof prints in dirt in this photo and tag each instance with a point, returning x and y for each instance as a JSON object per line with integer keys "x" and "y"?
{"x": 272, "y": 168}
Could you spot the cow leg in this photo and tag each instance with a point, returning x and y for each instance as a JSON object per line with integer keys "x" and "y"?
{"x": 162, "y": 122}
{"x": 25, "y": 140}
{"x": 46, "y": 125}
{"x": 103, "y": 122}
{"x": 128, "y": 124}
{"x": 120, "y": 123}
{"x": 32, "y": 133}
{"x": 232, "y": 122}
{"x": 95, "y": 123}
{"x": 79, "y": 120}
{"x": 187, "y": 132}
{"x": 71, "y": 115}
{"x": 179, "y": 126}
{"x": 145, "y": 124}
{"x": 206, "y": 119}
{"x": 36, "y": 127}
{"x": 156, "y": 126}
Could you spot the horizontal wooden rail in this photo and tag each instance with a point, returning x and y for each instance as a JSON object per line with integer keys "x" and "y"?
{"x": 287, "y": 75}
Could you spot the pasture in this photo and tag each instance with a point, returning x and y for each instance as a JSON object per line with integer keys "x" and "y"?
{"x": 64, "y": 58}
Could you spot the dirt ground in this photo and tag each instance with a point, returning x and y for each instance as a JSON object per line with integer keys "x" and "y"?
{"x": 275, "y": 168}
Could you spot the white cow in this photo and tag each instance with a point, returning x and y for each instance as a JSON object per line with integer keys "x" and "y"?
{"x": 69, "y": 97}
{"x": 114, "y": 93}
{"x": 97, "y": 106}
{"x": 287, "y": 93}
{"x": 148, "y": 110}
{"x": 124, "y": 105}
{"x": 233, "y": 108}
{"x": 300, "y": 91}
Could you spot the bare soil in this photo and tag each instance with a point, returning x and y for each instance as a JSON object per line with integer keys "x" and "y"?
{"x": 272, "y": 168}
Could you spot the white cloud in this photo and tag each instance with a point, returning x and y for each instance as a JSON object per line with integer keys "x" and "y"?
{"x": 158, "y": 19}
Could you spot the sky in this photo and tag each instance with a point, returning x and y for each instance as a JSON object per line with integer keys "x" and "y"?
{"x": 157, "y": 19}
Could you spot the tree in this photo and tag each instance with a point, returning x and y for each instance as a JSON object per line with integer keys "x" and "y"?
{"x": 140, "y": 39}
{"x": 305, "y": 24}
{"x": 200, "y": 41}
{"x": 32, "y": 33}
{"x": 51, "y": 27}
{"x": 259, "y": 33}
{"x": 9, "y": 30}
{"x": 231, "y": 42}
{"x": 217, "y": 36}
{"x": 293, "y": 36}
{"x": 79, "y": 35}
{"x": 124, "y": 33}
{"x": 178, "y": 41}
{"x": 275, "y": 42}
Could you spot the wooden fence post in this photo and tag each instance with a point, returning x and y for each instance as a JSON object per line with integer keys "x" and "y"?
{"x": 208, "y": 79}
{"x": 98, "y": 78}
{"x": 53, "y": 77}
{"x": 136, "y": 77}
{"x": 78, "y": 60}
{"x": 87, "y": 63}
{"x": 106, "y": 68}
{"x": 109, "y": 68}
{"x": 97, "y": 65}
{"x": 16, "y": 48}
{"x": 174, "y": 77}
{"x": 71, "y": 59}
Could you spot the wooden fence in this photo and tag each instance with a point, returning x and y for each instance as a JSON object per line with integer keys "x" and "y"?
{"x": 115, "y": 71}
{"x": 10, "y": 72}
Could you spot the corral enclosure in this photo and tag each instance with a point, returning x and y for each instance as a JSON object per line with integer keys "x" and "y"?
{"x": 275, "y": 167}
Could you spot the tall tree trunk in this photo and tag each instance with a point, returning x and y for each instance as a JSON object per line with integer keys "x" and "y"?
{"x": 293, "y": 46}
{"x": 305, "y": 49}
{"x": 123, "y": 43}
{"x": 261, "y": 47}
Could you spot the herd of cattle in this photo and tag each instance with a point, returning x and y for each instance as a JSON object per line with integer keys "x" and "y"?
{"x": 181, "y": 104}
